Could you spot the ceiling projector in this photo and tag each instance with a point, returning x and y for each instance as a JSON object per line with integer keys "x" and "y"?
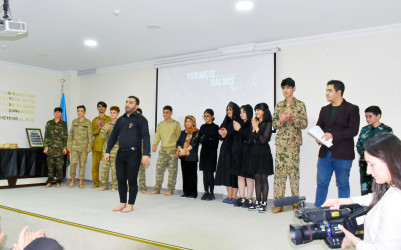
{"x": 12, "y": 28}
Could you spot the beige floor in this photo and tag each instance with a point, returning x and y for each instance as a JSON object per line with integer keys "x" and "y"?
{"x": 192, "y": 224}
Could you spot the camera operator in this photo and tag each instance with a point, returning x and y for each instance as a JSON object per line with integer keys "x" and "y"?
{"x": 382, "y": 226}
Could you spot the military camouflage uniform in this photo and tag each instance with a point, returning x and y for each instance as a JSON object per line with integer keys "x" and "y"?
{"x": 367, "y": 132}
{"x": 170, "y": 131}
{"x": 142, "y": 178}
{"x": 104, "y": 174}
{"x": 288, "y": 142}
{"x": 97, "y": 148}
{"x": 56, "y": 141}
{"x": 79, "y": 144}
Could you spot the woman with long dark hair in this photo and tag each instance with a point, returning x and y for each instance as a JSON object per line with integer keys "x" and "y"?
{"x": 383, "y": 220}
{"x": 187, "y": 150}
{"x": 244, "y": 178}
{"x": 209, "y": 138}
{"x": 226, "y": 157}
{"x": 261, "y": 163}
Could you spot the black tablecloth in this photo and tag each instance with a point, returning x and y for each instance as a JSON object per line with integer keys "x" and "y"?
{"x": 22, "y": 162}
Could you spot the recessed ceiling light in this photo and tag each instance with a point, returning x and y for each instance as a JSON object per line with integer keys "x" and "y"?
{"x": 244, "y": 5}
{"x": 153, "y": 27}
{"x": 116, "y": 12}
{"x": 90, "y": 43}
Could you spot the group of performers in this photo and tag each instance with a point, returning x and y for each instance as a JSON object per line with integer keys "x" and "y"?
{"x": 243, "y": 163}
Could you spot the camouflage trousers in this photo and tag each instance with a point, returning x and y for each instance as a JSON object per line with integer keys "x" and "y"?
{"x": 55, "y": 161}
{"x": 82, "y": 157}
{"x": 104, "y": 173}
{"x": 287, "y": 164}
{"x": 142, "y": 178}
{"x": 166, "y": 160}
{"x": 366, "y": 179}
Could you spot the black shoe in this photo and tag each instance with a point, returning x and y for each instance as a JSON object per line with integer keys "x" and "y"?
{"x": 238, "y": 202}
{"x": 253, "y": 206}
{"x": 191, "y": 196}
{"x": 210, "y": 197}
{"x": 184, "y": 196}
{"x": 262, "y": 207}
{"x": 246, "y": 203}
{"x": 204, "y": 196}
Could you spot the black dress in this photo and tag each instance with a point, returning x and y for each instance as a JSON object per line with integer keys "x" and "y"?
{"x": 231, "y": 144}
{"x": 261, "y": 157}
{"x": 209, "y": 138}
{"x": 246, "y": 131}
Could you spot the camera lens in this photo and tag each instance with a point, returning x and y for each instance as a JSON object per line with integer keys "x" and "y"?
{"x": 301, "y": 234}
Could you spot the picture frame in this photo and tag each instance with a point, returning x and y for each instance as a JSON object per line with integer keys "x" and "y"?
{"x": 35, "y": 137}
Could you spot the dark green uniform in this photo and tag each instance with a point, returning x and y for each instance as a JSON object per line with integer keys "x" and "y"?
{"x": 367, "y": 132}
{"x": 56, "y": 141}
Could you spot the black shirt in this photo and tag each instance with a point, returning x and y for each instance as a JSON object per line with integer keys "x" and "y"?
{"x": 130, "y": 131}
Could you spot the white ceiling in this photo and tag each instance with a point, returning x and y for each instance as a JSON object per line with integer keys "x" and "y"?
{"x": 57, "y": 29}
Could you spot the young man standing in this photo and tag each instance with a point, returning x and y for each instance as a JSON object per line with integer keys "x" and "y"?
{"x": 55, "y": 144}
{"x": 97, "y": 150}
{"x": 374, "y": 127}
{"x": 340, "y": 122}
{"x": 289, "y": 118}
{"x": 132, "y": 132}
{"x": 80, "y": 140}
{"x": 168, "y": 132}
{"x": 111, "y": 164}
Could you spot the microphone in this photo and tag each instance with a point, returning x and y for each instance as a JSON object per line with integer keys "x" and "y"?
{"x": 287, "y": 201}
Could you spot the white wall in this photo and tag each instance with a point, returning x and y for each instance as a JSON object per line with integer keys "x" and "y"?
{"x": 47, "y": 90}
{"x": 368, "y": 65}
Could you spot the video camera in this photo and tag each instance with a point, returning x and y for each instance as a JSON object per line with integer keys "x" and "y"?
{"x": 323, "y": 223}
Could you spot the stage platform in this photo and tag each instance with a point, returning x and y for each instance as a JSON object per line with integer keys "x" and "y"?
{"x": 82, "y": 219}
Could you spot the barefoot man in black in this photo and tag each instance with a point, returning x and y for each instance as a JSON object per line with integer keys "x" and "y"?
{"x": 131, "y": 130}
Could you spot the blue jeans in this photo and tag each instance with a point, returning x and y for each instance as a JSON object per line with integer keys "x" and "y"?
{"x": 325, "y": 168}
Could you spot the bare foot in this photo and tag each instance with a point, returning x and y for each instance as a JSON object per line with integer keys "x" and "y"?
{"x": 127, "y": 209}
{"x": 58, "y": 185}
{"x": 71, "y": 183}
{"x": 143, "y": 192}
{"x": 119, "y": 207}
{"x": 169, "y": 193}
{"x": 48, "y": 185}
{"x": 81, "y": 184}
{"x": 102, "y": 189}
{"x": 155, "y": 192}
{"x": 113, "y": 190}
{"x": 93, "y": 186}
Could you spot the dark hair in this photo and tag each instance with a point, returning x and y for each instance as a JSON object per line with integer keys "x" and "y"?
{"x": 267, "y": 116}
{"x": 44, "y": 243}
{"x": 210, "y": 112}
{"x": 338, "y": 85}
{"x": 168, "y": 107}
{"x": 58, "y": 109}
{"x": 136, "y": 99}
{"x": 81, "y": 107}
{"x": 386, "y": 147}
{"x": 374, "y": 110}
{"x": 103, "y": 104}
{"x": 139, "y": 110}
{"x": 249, "y": 112}
{"x": 288, "y": 82}
{"x": 115, "y": 108}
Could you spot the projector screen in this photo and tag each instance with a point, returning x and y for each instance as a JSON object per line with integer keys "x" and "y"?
{"x": 192, "y": 88}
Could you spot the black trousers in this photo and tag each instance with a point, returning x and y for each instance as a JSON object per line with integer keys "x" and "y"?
{"x": 127, "y": 167}
{"x": 189, "y": 177}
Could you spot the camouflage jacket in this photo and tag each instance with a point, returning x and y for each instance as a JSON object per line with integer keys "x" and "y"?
{"x": 105, "y": 136}
{"x": 55, "y": 137}
{"x": 289, "y": 133}
{"x": 80, "y": 137}
{"x": 368, "y": 132}
{"x": 97, "y": 140}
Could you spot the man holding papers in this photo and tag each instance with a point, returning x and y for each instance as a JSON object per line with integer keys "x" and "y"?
{"x": 340, "y": 122}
